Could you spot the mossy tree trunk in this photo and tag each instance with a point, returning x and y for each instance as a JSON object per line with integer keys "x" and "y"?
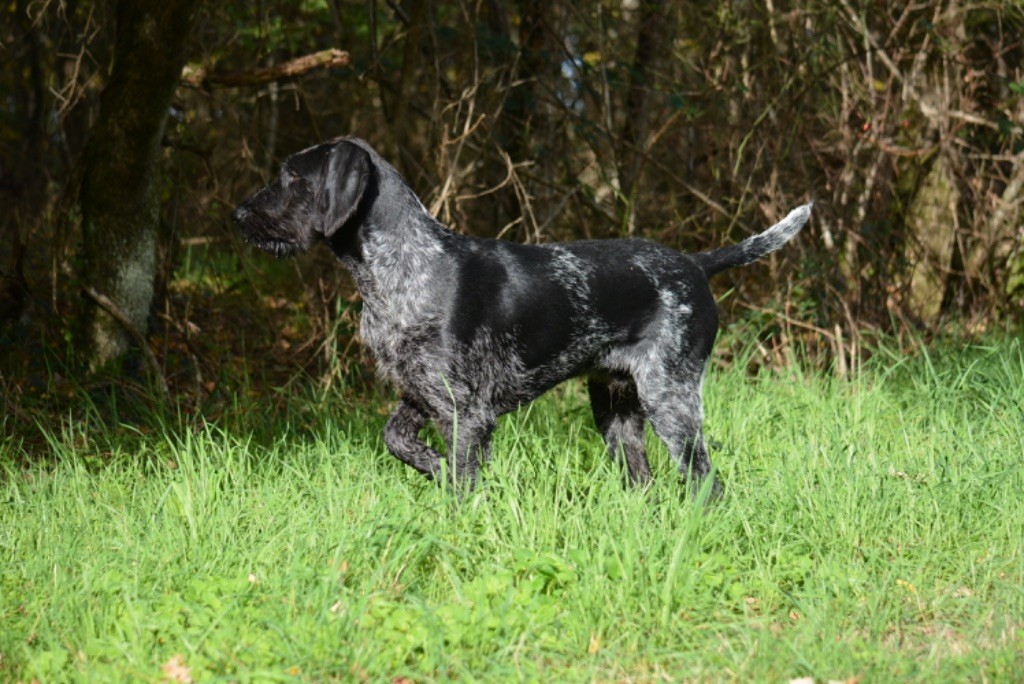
{"x": 119, "y": 199}
{"x": 932, "y": 225}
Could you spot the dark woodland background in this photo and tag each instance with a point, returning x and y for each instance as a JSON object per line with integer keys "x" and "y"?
{"x": 128, "y": 132}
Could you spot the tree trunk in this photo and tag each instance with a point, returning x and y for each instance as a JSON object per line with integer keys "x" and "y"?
{"x": 499, "y": 53}
{"x": 529, "y": 130}
{"x": 401, "y": 124}
{"x": 27, "y": 182}
{"x": 652, "y": 44}
{"x": 119, "y": 199}
{"x": 932, "y": 224}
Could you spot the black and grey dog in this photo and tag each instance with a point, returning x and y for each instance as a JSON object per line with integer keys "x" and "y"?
{"x": 471, "y": 328}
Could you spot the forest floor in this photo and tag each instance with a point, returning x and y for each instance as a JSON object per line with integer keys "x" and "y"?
{"x": 871, "y": 530}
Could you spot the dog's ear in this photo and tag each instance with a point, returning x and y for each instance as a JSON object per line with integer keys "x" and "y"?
{"x": 344, "y": 182}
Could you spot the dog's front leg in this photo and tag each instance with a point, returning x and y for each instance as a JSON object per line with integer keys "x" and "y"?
{"x": 469, "y": 444}
{"x": 402, "y": 437}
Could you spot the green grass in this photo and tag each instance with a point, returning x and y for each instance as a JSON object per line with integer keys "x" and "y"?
{"x": 871, "y": 529}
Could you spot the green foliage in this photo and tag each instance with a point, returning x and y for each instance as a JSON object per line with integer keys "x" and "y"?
{"x": 489, "y": 614}
{"x": 870, "y": 529}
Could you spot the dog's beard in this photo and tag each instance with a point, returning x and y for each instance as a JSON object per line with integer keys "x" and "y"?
{"x": 279, "y": 248}
{"x": 261, "y": 237}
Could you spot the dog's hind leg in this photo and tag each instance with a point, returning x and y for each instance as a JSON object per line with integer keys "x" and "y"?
{"x": 402, "y": 437}
{"x": 672, "y": 402}
{"x": 620, "y": 419}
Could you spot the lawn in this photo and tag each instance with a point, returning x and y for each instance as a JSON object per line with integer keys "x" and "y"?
{"x": 871, "y": 530}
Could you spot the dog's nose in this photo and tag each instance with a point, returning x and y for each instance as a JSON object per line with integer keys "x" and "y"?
{"x": 239, "y": 214}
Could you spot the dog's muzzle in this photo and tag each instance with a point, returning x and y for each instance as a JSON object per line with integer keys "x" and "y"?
{"x": 255, "y": 231}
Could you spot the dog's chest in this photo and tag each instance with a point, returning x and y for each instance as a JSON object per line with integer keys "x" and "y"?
{"x": 400, "y": 341}
{"x": 400, "y": 282}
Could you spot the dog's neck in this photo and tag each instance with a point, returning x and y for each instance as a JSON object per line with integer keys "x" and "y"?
{"x": 392, "y": 255}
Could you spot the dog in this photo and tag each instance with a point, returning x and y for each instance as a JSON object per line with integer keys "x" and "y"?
{"x": 472, "y": 328}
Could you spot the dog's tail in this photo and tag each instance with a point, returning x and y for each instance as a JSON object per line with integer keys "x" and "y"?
{"x": 753, "y": 248}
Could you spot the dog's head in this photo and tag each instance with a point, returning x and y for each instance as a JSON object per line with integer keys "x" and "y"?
{"x": 316, "y": 193}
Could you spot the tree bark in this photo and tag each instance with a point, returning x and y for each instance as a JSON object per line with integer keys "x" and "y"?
{"x": 932, "y": 226}
{"x": 526, "y": 109}
{"x": 654, "y": 38}
{"x": 26, "y": 183}
{"x": 528, "y": 129}
{"x": 119, "y": 199}
{"x": 401, "y": 125}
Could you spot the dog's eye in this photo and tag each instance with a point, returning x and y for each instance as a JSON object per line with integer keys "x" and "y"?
{"x": 289, "y": 176}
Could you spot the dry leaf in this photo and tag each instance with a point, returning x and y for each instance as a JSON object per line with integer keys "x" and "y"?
{"x": 595, "y": 644}
{"x": 176, "y": 670}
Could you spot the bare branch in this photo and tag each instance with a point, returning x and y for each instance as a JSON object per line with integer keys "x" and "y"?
{"x": 199, "y": 77}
